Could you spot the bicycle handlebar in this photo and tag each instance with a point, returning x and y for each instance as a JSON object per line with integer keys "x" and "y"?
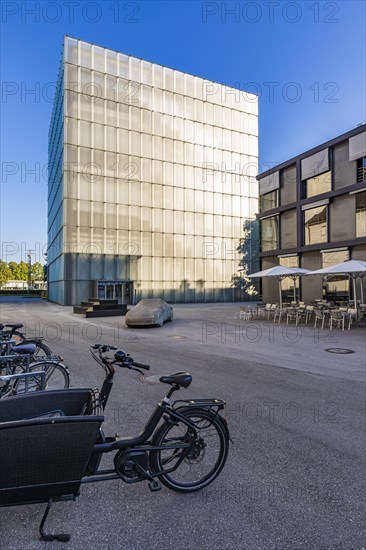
{"x": 121, "y": 358}
{"x": 141, "y": 365}
{"x": 103, "y": 348}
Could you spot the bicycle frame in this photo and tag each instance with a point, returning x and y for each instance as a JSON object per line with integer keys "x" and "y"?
{"x": 10, "y": 363}
{"x": 80, "y": 411}
{"x": 142, "y": 441}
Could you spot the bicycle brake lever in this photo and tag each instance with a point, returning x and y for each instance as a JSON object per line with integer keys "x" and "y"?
{"x": 131, "y": 367}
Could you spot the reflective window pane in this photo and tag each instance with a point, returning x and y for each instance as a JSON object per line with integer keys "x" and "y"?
{"x": 315, "y": 225}
{"x": 361, "y": 214}
{"x": 269, "y": 234}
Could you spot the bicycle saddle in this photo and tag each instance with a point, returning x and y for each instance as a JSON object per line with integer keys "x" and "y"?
{"x": 14, "y": 325}
{"x": 29, "y": 349}
{"x": 178, "y": 379}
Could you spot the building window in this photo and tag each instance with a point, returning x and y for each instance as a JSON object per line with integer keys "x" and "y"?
{"x": 319, "y": 184}
{"x": 361, "y": 170}
{"x": 335, "y": 287}
{"x": 315, "y": 225}
{"x": 361, "y": 214}
{"x": 287, "y": 284}
{"x": 269, "y": 234}
{"x": 268, "y": 201}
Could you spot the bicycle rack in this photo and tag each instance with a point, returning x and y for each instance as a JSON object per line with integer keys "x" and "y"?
{"x": 7, "y": 359}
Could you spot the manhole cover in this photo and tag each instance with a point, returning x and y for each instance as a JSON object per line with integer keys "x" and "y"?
{"x": 151, "y": 378}
{"x": 341, "y": 351}
{"x": 177, "y": 337}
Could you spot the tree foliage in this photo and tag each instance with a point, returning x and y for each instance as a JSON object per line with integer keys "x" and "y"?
{"x": 18, "y": 271}
{"x": 37, "y": 272}
{"x": 248, "y": 248}
{"x": 5, "y": 273}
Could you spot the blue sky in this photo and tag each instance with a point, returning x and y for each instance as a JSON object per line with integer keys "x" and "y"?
{"x": 305, "y": 59}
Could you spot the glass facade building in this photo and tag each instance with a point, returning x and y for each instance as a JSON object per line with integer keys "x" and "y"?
{"x": 313, "y": 215}
{"x": 152, "y": 175}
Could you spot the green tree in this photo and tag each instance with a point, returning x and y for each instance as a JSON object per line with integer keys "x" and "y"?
{"x": 5, "y": 273}
{"x": 248, "y": 247}
{"x": 37, "y": 272}
{"x": 19, "y": 271}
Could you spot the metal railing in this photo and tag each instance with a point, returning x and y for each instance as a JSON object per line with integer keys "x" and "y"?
{"x": 361, "y": 174}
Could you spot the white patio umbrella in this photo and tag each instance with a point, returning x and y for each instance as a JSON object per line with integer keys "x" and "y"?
{"x": 281, "y": 272}
{"x": 353, "y": 268}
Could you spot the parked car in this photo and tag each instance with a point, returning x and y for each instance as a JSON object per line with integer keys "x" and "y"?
{"x": 149, "y": 312}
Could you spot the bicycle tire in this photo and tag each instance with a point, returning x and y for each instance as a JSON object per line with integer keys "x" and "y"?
{"x": 204, "y": 419}
{"x": 42, "y": 350}
{"x": 57, "y": 377}
{"x": 17, "y": 367}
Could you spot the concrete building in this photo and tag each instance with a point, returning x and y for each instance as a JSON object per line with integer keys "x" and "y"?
{"x": 152, "y": 175}
{"x": 313, "y": 215}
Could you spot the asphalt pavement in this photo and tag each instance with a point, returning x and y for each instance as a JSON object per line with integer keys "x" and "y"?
{"x": 294, "y": 478}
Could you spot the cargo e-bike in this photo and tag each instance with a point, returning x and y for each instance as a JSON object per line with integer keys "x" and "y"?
{"x": 51, "y": 442}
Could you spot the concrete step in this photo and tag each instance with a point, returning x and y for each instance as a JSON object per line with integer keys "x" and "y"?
{"x": 105, "y": 313}
{"x": 102, "y": 301}
{"x": 106, "y": 307}
{"x": 81, "y": 309}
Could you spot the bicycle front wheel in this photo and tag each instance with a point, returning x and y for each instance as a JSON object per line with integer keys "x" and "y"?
{"x": 191, "y": 469}
{"x": 56, "y": 377}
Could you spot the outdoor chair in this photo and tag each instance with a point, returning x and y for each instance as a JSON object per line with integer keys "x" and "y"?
{"x": 338, "y": 318}
{"x": 272, "y": 310}
{"x": 246, "y": 313}
{"x": 264, "y": 311}
{"x": 291, "y": 315}
{"x": 304, "y": 314}
{"x": 352, "y": 315}
{"x": 319, "y": 315}
{"x": 309, "y": 313}
{"x": 279, "y": 313}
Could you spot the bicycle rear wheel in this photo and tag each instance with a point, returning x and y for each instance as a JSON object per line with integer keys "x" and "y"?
{"x": 197, "y": 466}
{"x": 42, "y": 350}
{"x": 56, "y": 377}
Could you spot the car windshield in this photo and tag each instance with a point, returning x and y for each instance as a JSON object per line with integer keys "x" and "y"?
{"x": 150, "y": 303}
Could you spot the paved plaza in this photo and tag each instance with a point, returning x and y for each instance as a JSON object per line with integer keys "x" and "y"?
{"x": 295, "y": 474}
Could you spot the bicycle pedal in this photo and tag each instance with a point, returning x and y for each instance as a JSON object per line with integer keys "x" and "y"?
{"x": 154, "y": 485}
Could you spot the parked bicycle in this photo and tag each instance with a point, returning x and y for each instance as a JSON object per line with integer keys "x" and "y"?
{"x": 184, "y": 445}
{"x": 21, "y": 358}
{"x": 10, "y": 331}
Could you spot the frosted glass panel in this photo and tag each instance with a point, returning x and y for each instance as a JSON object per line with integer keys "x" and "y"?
{"x": 85, "y": 133}
{"x": 151, "y": 158}
{"x": 98, "y": 58}
{"x": 71, "y": 51}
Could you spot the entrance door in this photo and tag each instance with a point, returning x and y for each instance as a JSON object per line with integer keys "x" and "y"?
{"x": 109, "y": 291}
{"x": 116, "y": 290}
{"x": 126, "y": 293}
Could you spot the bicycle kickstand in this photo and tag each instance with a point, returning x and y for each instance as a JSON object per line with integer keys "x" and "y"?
{"x": 62, "y": 537}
